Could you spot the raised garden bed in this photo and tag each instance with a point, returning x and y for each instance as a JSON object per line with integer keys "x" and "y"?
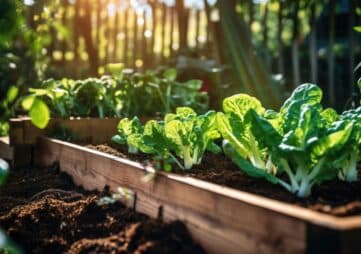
{"x": 221, "y": 219}
{"x": 284, "y": 148}
{"x": 18, "y": 147}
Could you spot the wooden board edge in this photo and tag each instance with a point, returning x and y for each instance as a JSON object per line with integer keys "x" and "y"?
{"x": 6, "y": 151}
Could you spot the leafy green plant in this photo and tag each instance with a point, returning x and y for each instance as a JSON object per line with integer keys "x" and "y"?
{"x": 113, "y": 96}
{"x": 159, "y": 92}
{"x": 302, "y": 141}
{"x": 235, "y": 127}
{"x": 184, "y": 135}
{"x": 350, "y": 154}
{"x": 128, "y": 131}
{"x": 7, "y": 108}
{"x": 191, "y": 135}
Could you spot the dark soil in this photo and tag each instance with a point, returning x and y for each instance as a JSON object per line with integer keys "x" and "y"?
{"x": 333, "y": 197}
{"x": 43, "y": 212}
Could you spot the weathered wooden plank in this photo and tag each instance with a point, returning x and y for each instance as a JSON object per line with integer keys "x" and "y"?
{"x": 92, "y": 130}
{"x": 6, "y": 152}
{"x": 19, "y": 156}
{"x": 223, "y": 220}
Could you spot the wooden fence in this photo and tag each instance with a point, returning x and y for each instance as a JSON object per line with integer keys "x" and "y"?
{"x": 106, "y": 31}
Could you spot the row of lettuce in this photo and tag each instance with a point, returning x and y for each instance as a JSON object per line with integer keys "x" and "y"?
{"x": 125, "y": 93}
{"x": 300, "y": 145}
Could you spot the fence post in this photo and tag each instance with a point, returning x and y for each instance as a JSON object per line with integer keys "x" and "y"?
{"x": 183, "y": 21}
{"x": 331, "y": 60}
{"x": 313, "y": 43}
{"x": 295, "y": 49}
{"x": 280, "y": 62}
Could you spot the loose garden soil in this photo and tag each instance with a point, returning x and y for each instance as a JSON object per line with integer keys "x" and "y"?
{"x": 333, "y": 197}
{"x": 44, "y": 212}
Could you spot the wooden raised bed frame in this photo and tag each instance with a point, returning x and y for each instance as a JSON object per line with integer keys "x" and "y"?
{"x": 222, "y": 219}
{"x": 18, "y": 147}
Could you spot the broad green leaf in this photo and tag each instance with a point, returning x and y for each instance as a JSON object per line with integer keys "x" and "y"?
{"x": 177, "y": 133}
{"x": 115, "y": 68}
{"x": 185, "y": 112}
{"x": 239, "y": 105}
{"x": 329, "y": 115}
{"x": 246, "y": 166}
{"x": 27, "y": 102}
{"x": 4, "y": 128}
{"x": 193, "y": 84}
{"x": 225, "y": 128}
{"x": 332, "y": 142}
{"x": 357, "y": 28}
{"x": 12, "y": 93}
{"x": 306, "y": 93}
{"x": 40, "y": 92}
{"x": 127, "y": 126}
{"x": 39, "y": 113}
{"x": 154, "y": 139}
{"x": 170, "y": 74}
{"x": 264, "y": 131}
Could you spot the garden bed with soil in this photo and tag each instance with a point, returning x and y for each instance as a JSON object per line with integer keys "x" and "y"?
{"x": 44, "y": 212}
{"x": 338, "y": 198}
{"x": 221, "y": 219}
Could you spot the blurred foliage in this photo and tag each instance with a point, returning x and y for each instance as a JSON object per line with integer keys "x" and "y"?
{"x": 124, "y": 94}
{"x": 7, "y": 107}
{"x": 24, "y": 37}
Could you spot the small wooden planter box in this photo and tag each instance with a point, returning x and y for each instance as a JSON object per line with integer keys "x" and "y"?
{"x": 18, "y": 147}
{"x": 221, "y": 219}
{"x": 91, "y": 130}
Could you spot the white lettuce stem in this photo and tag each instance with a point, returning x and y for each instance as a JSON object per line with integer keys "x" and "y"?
{"x": 132, "y": 149}
{"x": 176, "y": 161}
{"x": 188, "y": 160}
{"x": 305, "y": 188}
{"x": 308, "y": 180}
{"x": 349, "y": 172}
{"x": 286, "y": 167}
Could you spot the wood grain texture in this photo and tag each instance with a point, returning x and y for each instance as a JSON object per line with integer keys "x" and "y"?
{"x": 92, "y": 130}
{"x": 223, "y": 220}
{"x": 6, "y": 151}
